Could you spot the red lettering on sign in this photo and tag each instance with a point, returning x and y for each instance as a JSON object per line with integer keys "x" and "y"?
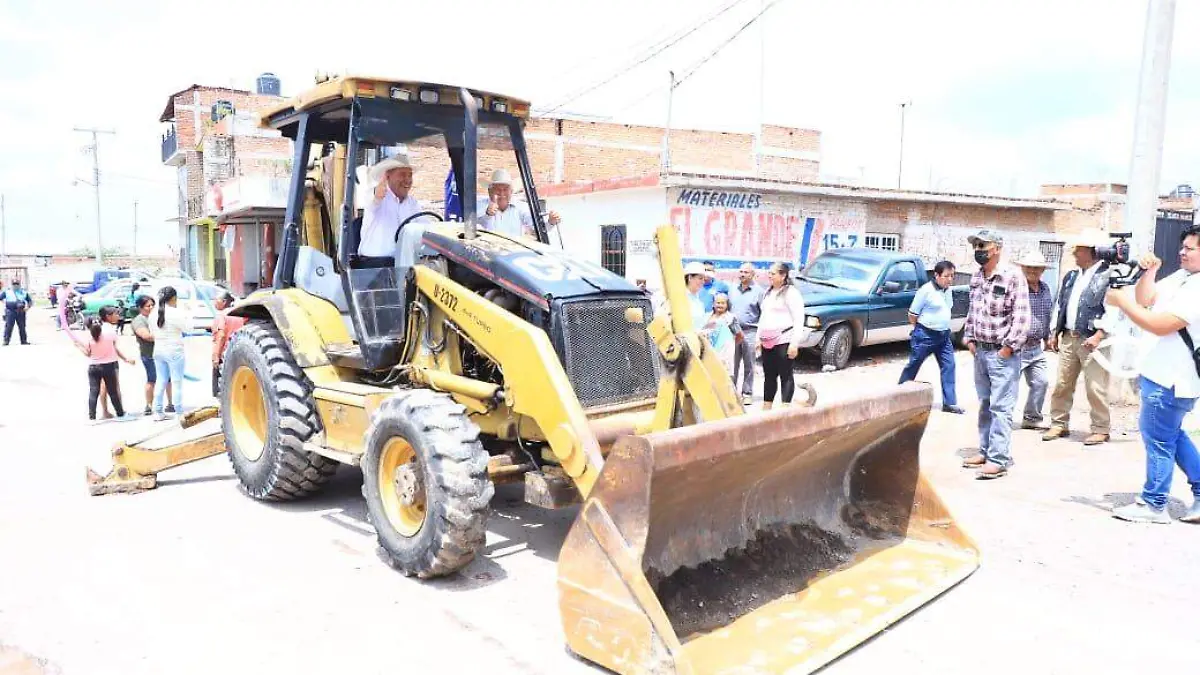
{"x": 731, "y": 238}
{"x": 681, "y": 220}
{"x": 712, "y": 232}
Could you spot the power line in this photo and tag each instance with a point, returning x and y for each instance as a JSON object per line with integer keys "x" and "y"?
{"x": 654, "y": 50}
{"x": 699, "y": 64}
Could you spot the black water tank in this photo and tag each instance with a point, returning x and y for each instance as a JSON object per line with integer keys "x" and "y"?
{"x": 267, "y": 84}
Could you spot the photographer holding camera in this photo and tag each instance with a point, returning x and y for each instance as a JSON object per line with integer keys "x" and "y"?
{"x": 1169, "y": 313}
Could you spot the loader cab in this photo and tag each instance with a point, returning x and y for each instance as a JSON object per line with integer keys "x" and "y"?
{"x": 354, "y": 123}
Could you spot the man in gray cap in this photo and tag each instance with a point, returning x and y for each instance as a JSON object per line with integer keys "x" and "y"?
{"x": 997, "y": 326}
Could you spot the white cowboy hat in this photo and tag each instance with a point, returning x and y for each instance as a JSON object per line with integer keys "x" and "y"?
{"x": 379, "y": 170}
{"x": 1090, "y": 237}
{"x": 500, "y": 177}
{"x": 1032, "y": 258}
{"x": 693, "y": 268}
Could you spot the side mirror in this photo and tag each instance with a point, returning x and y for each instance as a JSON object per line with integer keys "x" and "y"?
{"x": 889, "y": 287}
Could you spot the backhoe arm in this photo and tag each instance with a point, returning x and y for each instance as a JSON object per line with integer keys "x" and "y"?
{"x": 696, "y": 383}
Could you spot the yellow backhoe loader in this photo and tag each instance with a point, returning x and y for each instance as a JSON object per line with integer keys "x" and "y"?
{"x": 707, "y": 540}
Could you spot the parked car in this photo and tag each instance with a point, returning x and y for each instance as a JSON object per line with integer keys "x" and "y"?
{"x": 859, "y": 296}
{"x": 102, "y": 277}
{"x": 194, "y": 298}
{"x": 115, "y": 292}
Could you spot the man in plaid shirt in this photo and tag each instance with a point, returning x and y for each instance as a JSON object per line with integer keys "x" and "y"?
{"x": 1034, "y": 366}
{"x": 998, "y": 323}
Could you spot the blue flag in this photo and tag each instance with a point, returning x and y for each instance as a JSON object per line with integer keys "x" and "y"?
{"x": 453, "y": 203}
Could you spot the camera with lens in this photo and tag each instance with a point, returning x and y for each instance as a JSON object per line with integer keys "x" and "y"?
{"x": 1117, "y": 255}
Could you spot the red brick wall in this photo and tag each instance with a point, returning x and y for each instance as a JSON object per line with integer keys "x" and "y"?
{"x": 788, "y": 138}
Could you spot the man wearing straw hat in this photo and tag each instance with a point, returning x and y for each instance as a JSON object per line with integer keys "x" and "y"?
{"x": 392, "y": 179}
{"x": 502, "y": 215}
{"x": 1033, "y": 356}
{"x": 1075, "y": 337}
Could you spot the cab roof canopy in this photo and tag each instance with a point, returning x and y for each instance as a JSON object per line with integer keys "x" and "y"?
{"x": 328, "y": 105}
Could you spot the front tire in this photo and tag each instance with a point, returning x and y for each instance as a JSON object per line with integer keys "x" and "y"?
{"x": 426, "y": 484}
{"x": 839, "y": 341}
{"x": 267, "y": 414}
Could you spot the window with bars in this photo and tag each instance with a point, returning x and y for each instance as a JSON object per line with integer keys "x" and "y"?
{"x": 883, "y": 242}
{"x": 1053, "y": 250}
{"x": 612, "y": 248}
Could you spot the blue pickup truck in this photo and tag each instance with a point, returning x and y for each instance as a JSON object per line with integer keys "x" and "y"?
{"x": 859, "y": 296}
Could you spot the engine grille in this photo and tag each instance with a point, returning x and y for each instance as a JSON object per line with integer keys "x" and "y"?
{"x": 608, "y": 358}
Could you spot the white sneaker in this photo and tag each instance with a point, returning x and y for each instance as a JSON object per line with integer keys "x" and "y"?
{"x": 159, "y": 416}
{"x": 1142, "y": 513}
{"x": 1193, "y": 514}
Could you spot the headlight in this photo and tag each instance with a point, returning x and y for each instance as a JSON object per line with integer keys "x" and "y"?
{"x": 429, "y": 96}
{"x": 812, "y": 322}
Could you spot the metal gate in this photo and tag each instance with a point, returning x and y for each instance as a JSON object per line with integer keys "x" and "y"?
{"x": 1053, "y": 250}
{"x": 1168, "y": 230}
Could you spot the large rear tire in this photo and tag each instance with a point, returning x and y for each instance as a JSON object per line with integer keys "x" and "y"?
{"x": 267, "y": 414}
{"x": 426, "y": 484}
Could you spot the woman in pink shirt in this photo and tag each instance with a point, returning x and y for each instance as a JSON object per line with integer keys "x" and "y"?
{"x": 102, "y": 353}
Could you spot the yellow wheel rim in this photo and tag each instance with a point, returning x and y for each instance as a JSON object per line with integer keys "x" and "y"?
{"x": 249, "y": 414}
{"x": 402, "y": 487}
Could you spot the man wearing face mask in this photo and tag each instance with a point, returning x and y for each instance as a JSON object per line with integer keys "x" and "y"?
{"x": 997, "y": 326}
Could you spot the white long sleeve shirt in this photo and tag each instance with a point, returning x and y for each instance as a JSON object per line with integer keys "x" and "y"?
{"x": 783, "y": 311}
{"x": 381, "y": 221}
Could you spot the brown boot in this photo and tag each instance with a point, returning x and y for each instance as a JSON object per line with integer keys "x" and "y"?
{"x": 974, "y": 462}
{"x": 1096, "y": 439}
{"x": 1055, "y": 432}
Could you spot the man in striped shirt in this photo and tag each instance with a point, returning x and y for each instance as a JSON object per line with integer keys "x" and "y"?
{"x": 997, "y": 326}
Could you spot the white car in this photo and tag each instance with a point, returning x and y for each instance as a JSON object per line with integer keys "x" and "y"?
{"x": 194, "y": 297}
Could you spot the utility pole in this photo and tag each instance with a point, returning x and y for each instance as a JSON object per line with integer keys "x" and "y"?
{"x": 1145, "y": 165}
{"x": 666, "y": 162}
{"x": 3, "y": 231}
{"x": 900, "y": 168}
{"x": 135, "y": 228}
{"x": 95, "y": 150}
{"x": 762, "y": 88}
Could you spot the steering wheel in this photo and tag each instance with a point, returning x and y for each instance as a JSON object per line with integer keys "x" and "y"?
{"x": 413, "y": 217}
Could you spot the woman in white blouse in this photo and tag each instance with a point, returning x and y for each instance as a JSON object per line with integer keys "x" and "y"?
{"x": 780, "y": 331}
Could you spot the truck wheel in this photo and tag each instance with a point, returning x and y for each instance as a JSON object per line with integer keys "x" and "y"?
{"x": 267, "y": 413}
{"x": 426, "y": 483}
{"x": 838, "y": 343}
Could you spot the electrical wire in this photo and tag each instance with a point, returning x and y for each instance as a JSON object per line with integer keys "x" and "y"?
{"x": 654, "y": 50}
{"x": 699, "y": 64}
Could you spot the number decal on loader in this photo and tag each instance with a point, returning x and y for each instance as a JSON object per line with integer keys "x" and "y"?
{"x": 545, "y": 268}
{"x": 445, "y": 297}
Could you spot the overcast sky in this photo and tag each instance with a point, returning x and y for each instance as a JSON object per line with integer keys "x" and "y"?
{"x": 1003, "y": 98}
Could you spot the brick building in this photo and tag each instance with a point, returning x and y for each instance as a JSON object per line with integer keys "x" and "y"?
{"x": 735, "y": 219}
{"x": 567, "y": 150}
{"x": 214, "y": 142}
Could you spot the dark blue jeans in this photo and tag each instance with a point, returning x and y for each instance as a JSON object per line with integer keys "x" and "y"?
{"x": 938, "y": 343}
{"x": 1167, "y": 444}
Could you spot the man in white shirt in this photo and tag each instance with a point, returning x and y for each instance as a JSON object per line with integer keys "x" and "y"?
{"x": 1076, "y": 337}
{"x": 390, "y": 206}
{"x": 1170, "y": 381}
{"x": 503, "y": 216}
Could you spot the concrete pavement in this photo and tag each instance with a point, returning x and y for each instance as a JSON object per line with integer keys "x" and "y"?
{"x": 196, "y": 578}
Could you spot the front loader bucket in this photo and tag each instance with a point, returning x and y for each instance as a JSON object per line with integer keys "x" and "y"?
{"x": 761, "y": 543}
